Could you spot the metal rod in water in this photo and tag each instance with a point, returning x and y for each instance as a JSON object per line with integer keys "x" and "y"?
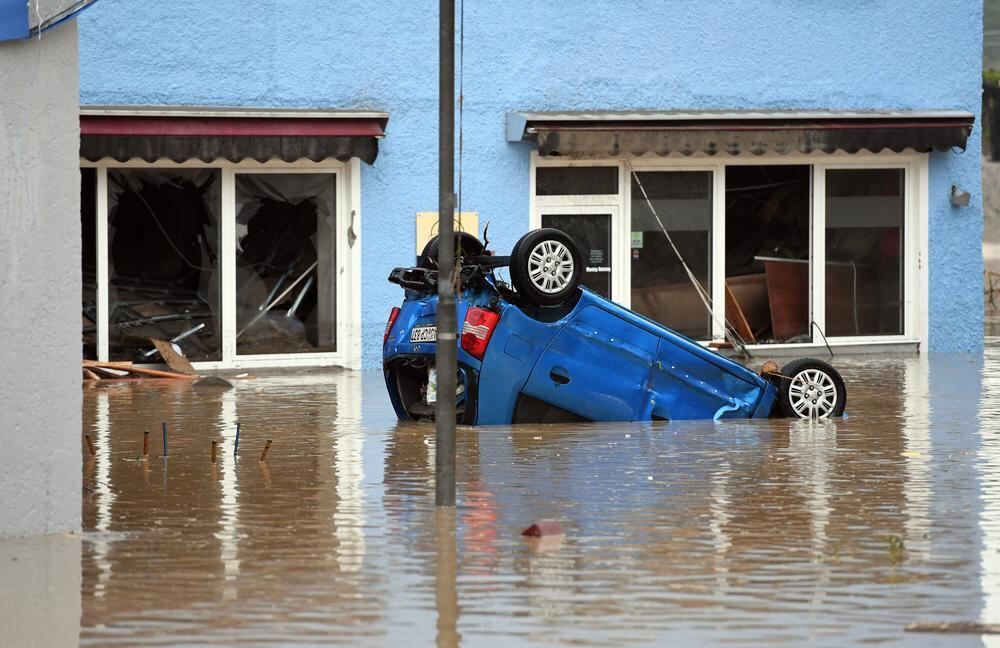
{"x": 90, "y": 445}
{"x": 446, "y": 361}
{"x": 236, "y": 446}
{"x": 267, "y": 446}
{"x": 215, "y": 447}
{"x": 145, "y": 444}
{"x": 180, "y": 337}
{"x": 164, "y": 439}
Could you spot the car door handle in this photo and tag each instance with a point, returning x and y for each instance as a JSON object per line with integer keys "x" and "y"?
{"x": 559, "y": 375}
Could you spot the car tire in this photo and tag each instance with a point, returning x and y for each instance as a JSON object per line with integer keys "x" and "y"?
{"x": 545, "y": 267}
{"x": 810, "y": 388}
{"x": 466, "y": 245}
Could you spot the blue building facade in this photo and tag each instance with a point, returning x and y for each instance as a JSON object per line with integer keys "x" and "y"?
{"x": 865, "y": 249}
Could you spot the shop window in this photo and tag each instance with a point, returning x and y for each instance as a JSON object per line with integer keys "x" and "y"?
{"x": 163, "y": 259}
{"x": 576, "y": 181}
{"x": 768, "y": 218}
{"x": 88, "y": 229}
{"x": 661, "y": 288}
{"x": 285, "y": 283}
{"x": 864, "y": 258}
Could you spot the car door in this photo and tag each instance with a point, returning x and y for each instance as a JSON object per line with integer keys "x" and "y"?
{"x": 690, "y": 382}
{"x": 597, "y": 367}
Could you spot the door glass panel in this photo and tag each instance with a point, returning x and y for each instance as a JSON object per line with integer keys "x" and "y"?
{"x": 592, "y": 233}
{"x": 768, "y": 216}
{"x": 163, "y": 260}
{"x": 285, "y": 263}
{"x": 576, "y": 181}
{"x": 661, "y": 289}
{"x": 864, "y": 252}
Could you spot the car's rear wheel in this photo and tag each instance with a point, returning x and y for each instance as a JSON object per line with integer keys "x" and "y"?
{"x": 545, "y": 267}
{"x": 810, "y": 388}
{"x": 466, "y": 246}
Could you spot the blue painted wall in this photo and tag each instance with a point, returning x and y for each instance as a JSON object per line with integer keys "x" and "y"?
{"x": 547, "y": 55}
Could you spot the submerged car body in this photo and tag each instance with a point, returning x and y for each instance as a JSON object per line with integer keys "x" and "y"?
{"x": 580, "y": 358}
{"x": 593, "y": 361}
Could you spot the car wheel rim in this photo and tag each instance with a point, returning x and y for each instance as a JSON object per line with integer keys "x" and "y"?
{"x": 813, "y": 394}
{"x": 550, "y": 266}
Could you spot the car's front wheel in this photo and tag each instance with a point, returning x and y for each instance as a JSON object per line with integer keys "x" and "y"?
{"x": 545, "y": 267}
{"x": 810, "y": 388}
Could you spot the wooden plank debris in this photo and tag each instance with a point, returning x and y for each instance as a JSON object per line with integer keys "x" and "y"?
{"x": 176, "y": 361}
{"x": 123, "y": 370}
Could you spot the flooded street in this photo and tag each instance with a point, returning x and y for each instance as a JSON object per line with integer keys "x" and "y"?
{"x": 740, "y": 533}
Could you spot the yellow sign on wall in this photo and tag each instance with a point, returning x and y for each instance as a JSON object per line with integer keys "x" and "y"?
{"x": 427, "y": 226}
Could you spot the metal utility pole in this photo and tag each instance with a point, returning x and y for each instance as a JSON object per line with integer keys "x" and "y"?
{"x": 446, "y": 360}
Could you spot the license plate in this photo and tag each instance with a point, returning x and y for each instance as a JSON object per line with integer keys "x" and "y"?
{"x": 424, "y": 334}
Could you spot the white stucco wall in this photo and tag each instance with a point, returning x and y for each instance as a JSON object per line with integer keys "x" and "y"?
{"x": 40, "y": 471}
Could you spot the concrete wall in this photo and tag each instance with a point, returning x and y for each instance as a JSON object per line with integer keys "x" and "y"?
{"x": 40, "y": 401}
{"x": 688, "y": 54}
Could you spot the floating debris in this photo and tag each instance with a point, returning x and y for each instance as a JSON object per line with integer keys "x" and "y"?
{"x": 213, "y": 382}
{"x": 544, "y": 528}
{"x": 94, "y": 370}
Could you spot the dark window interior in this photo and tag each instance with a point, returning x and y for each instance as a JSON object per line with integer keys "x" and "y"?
{"x": 285, "y": 284}
{"x": 661, "y": 288}
{"x": 576, "y": 181}
{"x": 768, "y": 218}
{"x": 163, "y": 240}
{"x": 864, "y": 251}
{"x": 88, "y": 228}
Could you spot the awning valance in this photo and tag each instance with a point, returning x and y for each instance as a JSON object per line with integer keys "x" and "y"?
{"x": 599, "y": 134}
{"x": 210, "y": 134}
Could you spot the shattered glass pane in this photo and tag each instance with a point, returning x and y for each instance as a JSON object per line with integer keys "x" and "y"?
{"x": 163, "y": 256}
{"x": 285, "y": 262}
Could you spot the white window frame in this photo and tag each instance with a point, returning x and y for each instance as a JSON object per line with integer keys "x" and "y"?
{"x": 597, "y": 203}
{"x": 347, "y": 264}
{"x": 915, "y": 222}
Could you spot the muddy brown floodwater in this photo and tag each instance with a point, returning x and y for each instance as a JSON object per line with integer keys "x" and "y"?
{"x": 762, "y": 533}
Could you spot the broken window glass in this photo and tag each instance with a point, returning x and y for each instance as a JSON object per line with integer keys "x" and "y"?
{"x": 864, "y": 252}
{"x": 285, "y": 261}
{"x": 163, "y": 259}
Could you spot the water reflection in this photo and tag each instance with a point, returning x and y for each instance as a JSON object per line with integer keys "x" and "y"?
{"x": 749, "y": 532}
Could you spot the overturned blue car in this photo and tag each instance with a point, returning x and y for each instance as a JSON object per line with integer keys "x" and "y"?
{"x": 544, "y": 349}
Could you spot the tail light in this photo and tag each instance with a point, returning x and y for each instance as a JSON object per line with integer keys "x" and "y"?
{"x": 393, "y": 314}
{"x": 477, "y": 329}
